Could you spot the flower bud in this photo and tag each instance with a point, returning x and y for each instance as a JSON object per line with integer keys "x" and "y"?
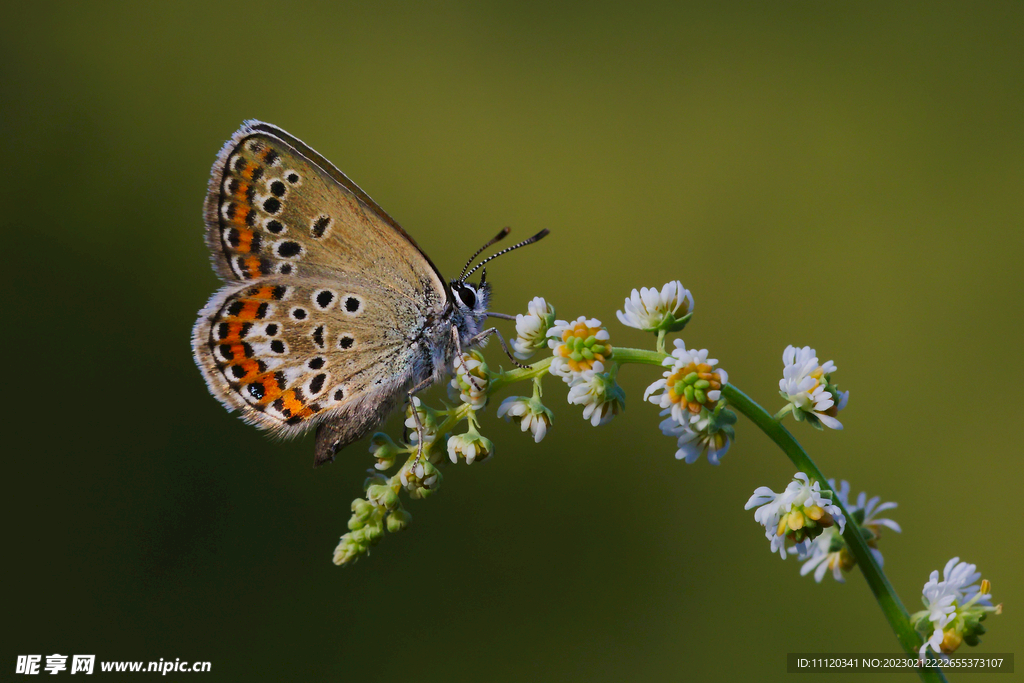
{"x": 398, "y": 520}
{"x": 384, "y": 450}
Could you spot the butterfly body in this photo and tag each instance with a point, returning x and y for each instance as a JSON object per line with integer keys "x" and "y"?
{"x": 331, "y": 314}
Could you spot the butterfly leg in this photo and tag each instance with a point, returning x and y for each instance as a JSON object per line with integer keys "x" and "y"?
{"x": 458, "y": 355}
{"x": 420, "y": 434}
{"x": 504, "y": 347}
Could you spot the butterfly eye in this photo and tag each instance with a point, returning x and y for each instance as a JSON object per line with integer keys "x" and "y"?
{"x": 468, "y": 296}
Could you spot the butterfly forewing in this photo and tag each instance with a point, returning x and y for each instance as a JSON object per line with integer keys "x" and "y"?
{"x": 325, "y": 293}
{"x": 271, "y": 210}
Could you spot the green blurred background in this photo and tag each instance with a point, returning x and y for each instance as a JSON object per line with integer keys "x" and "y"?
{"x": 847, "y": 177}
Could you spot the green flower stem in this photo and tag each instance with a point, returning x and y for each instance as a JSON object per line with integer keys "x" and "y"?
{"x": 538, "y": 369}
{"x": 661, "y": 341}
{"x": 884, "y": 593}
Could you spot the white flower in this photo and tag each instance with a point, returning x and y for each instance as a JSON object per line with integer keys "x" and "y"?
{"x": 471, "y": 446}
{"x": 420, "y": 480}
{"x": 961, "y": 578}
{"x": 704, "y": 436}
{"x": 577, "y": 346}
{"x": 691, "y": 383}
{"x": 595, "y": 390}
{"x": 532, "y": 328}
{"x": 939, "y": 598}
{"x": 800, "y": 513}
{"x": 470, "y": 382}
{"x": 651, "y": 310}
{"x": 428, "y": 419}
{"x": 529, "y": 414}
{"x": 829, "y": 550}
{"x": 805, "y": 385}
{"x": 954, "y": 608}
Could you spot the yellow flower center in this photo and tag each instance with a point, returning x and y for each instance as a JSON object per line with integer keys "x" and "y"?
{"x": 842, "y": 558}
{"x": 950, "y": 641}
{"x": 581, "y": 348}
{"x": 690, "y": 385}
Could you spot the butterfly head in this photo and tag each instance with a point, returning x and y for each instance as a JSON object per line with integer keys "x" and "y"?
{"x": 471, "y": 300}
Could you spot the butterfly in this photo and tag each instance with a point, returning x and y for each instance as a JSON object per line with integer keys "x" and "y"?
{"x": 330, "y": 314}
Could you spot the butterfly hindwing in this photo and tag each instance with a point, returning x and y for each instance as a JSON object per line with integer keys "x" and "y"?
{"x": 288, "y": 353}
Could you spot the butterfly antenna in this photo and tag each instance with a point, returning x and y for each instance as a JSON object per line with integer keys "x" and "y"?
{"x": 497, "y": 238}
{"x": 536, "y": 238}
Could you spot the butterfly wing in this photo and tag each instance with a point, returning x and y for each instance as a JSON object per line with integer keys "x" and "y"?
{"x": 326, "y": 295}
{"x": 288, "y": 353}
{"x": 276, "y": 207}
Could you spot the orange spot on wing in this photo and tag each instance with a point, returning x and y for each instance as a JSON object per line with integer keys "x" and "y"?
{"x": 238, "y": 218}
{"x": 263, "y": 293}
{"x": 271, "y": 389}
{"x": 251, "y": 368}
{"x": 252, "y": 266}
{"x": 244, "y": 240}
{"x": 248, "y": 170}
{"x": 248, "y": 312}
{"x": 294, "y": 405}
{"x": 234, "y": 333}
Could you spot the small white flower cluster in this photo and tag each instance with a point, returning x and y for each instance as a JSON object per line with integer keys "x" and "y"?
{"x": 800, "y": 513}
{"x": 829, "y": 550}
{"x": 954, "y": 608}
{"x": 532, "y": 328}
{"x": 420, "y": 479}
{"x": 530, "y": 414}
{"x": 596, "y": 390}
{"x": 651, "y": 310}
{"x": 582, "y": 358}
{"x": 471, "y": 447}
{"x": 690, "y": 391}
{"x": 471, "y": 379}
{"x": 805, "y": 385}
{"x": 427, "y": 418}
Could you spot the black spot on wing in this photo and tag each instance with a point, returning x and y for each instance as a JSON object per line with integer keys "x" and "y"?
{"x": 324, "y": 298}
{"x": 319, "y": 226}
{"x": 289, "y": 249}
